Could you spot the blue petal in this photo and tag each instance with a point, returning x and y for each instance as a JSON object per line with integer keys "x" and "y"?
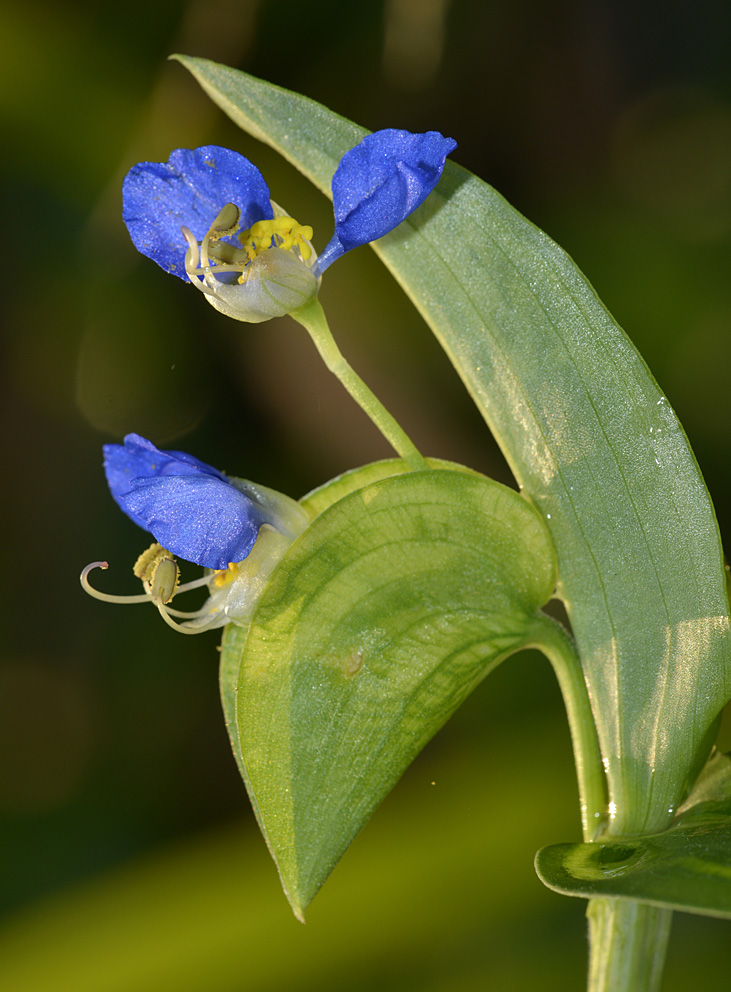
{"x": 197, "y": 517}
{"x": 380, "y": 182}
{"x": 189, "y": 189}
{"x": 138, "y": 458}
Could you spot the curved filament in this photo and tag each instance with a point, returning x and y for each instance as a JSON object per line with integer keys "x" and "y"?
{"x": 143, "y": 597}
{"x": 179, "y": 627}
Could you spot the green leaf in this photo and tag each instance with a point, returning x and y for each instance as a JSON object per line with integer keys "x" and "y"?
{"x": 315, "y": 502}
{"x": 687, "y": 867}
{"x": 590, "y": 437}
{"x": 387, "y": 611}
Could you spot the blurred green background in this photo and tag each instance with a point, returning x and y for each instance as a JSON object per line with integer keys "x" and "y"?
{"x": 130, "y": 859}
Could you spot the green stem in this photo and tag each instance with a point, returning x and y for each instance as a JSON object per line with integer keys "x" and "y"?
{"x": 312, "y": 317}
{"x": 550, "y": 637}
{"x": 627, "y": 939}
{"x": 628, "y": 943}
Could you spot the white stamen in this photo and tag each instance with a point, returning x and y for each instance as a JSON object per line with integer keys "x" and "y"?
{"x": 104, "y": 596}
{"x": 179, "y": 627}
{"x": 166, "y": 612}
{"x": 143, "y": 597}
{"x": 192, "y": 260}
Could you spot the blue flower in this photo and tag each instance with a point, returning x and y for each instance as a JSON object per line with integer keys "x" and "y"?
{"x": 192, "y": 509}
{"x": 206, "y": 216}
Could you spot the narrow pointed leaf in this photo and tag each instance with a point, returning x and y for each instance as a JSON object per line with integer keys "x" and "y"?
{"x": 589, "y": 435}
{"x": 381, "y": 618}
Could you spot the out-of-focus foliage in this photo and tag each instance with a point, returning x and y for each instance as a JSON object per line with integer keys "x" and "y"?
{"x": 608, "y": 128}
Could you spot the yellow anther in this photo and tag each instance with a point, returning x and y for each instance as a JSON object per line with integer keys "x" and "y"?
{"x": 165, "y": 580}
{"x": 159, "y": 572}
{"x": 226, "y": 223}
{"x": 226, "y": 575}
{"x": 145, "y": 564}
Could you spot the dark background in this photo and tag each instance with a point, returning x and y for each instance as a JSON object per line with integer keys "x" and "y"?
{"x": 129, "y": 857}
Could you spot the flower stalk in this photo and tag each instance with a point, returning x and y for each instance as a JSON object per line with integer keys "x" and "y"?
{"x": 312, "y": 318}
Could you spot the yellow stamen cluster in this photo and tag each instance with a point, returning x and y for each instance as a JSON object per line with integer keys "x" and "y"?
{"x": 285, "y": 232}
{"x": 272, "y": 260}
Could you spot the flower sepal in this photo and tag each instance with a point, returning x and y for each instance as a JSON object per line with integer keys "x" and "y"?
{"x": 234, "y": 593}
{"x": 276, "y": 509}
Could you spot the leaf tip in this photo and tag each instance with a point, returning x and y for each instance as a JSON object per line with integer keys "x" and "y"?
{"x": 189, "y": 62}
{"x": 294, "y": 898}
